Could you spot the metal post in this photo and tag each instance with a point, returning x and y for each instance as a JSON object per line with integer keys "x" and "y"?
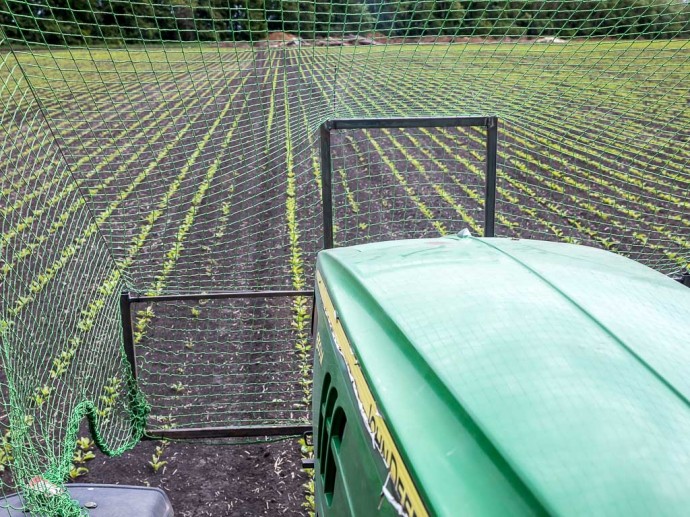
{"x": 127, "y": 336}
{"x": 490, "y": 195}
{"x": 326, "y": 185}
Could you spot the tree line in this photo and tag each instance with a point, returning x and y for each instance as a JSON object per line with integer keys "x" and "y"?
{"x": 116, "y": 22}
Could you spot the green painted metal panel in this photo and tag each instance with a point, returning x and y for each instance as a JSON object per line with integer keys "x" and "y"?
{"x": 360, "y": 472}
{"x": 523, "y": 377}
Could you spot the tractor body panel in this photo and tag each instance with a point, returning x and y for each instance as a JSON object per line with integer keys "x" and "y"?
{"x": 350, "y": 472}
{"x": 494, "y": 376}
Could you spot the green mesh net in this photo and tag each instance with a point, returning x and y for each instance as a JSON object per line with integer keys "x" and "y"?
{"x": 172, "y": 147}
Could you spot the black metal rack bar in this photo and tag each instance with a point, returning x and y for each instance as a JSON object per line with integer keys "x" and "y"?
{"x": 326, "y": 185}
{"x": 127, "y": 335}
{"x": 406, "y": 122}
{"x": 490, "y": 193}
{"x": 490, "y": 123}
{"x": 227, "y": 432}
{"x": 134, "y": 298}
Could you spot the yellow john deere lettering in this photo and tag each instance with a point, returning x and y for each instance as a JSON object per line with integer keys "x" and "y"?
{"x": 319, "y": 348}
{"x": 407, "y": 493}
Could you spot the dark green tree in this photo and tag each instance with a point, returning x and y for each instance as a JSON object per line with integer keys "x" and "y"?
{"x": 428, "y": 18}
{"x": 293, "y": 16}
{"x": 338, "y": 17}
{"x": 129, "y": 22}
{"x": 248, "y": 20}
{"x": 116, "y": 22}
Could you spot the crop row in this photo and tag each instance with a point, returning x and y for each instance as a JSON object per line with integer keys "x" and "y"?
{"x": 161, "y": 123}
{"x": 300, "y": 304}
{"x": 624, "y": 103}
{"x": 95, "y": 130}
{"x": 408, "y": 152}
{"x": 601, "y": 135}
{"x": 549, "y": 205}
{"x": 408, "y": 188}
{"x": 70, "y": 109}
{"x": 173, "y": 254}
{"x": 359, "y": 93}
{"x": 68, "y": 185}
{"x": 172, "y": 257}
{"x": 186, "y": 221}
{"x": 267, "y": 82}
{"x": 21, "y": 154}
{"x": 610, "y": 213}
{"x": 108, "y": 288}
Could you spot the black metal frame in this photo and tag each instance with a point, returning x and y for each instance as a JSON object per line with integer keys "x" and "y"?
{"x": 193, "y": 433}
{"x": 215, "y": 295}
{"x": 127, "y": 299}
{"x": 490, "y": 123}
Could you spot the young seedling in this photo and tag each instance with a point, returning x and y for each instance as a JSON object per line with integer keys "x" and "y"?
{"x": 81, "y": 455}
{"x": 76, "y": 471}
{"x": 167, "y": 422}
{"x": 178, "y": 387}
{"x": 111, "y": 392}
{"x": 41, "y": 395}
{"x": 5, "y": 452}
{"x": 156, "y": 463}
{"x": 308, "y": 504}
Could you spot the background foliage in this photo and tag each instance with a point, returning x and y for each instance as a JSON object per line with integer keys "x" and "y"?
{"x": 116, "y": 22}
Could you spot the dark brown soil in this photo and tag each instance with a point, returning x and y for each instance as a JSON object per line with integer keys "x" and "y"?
{"x": 217, "y": 480}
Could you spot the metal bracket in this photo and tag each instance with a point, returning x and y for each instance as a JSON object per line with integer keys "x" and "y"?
{"x": 684, "y": 279}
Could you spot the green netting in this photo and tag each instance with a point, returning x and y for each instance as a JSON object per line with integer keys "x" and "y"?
{"x": 171, "y": 147}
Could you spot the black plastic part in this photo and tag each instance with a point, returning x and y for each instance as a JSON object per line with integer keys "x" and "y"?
{"x": 106, "y": 501}
{"x": 684, "y": 279}
{"x": 308, "y": 464}
{"x": 309, "y": 437}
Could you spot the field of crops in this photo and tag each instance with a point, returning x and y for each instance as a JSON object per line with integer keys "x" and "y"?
{"x": 593, "y": 140}
{"x": 199, "y": 169}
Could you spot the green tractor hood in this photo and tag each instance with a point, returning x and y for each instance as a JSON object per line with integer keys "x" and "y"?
{"x": 520, "y": 376}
